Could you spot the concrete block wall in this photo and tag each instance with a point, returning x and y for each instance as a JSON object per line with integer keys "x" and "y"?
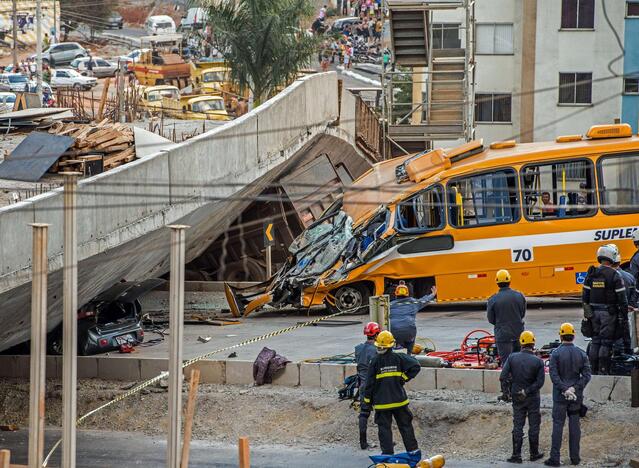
{"x": 328, "y": 376}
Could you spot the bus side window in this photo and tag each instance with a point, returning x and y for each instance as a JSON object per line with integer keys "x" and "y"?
{"x": 558, "y": 190}
{"x": 422, "y": 212}
{"x": 484, "y": 199}
{"x": 619, "y": 183}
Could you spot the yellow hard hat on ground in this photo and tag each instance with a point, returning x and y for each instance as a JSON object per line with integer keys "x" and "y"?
{"x": 385, "y": 340}
{"x": 503, "y": 276}
{"x": 401, "y": 290}
{"x": 566, "y": 329}
{"x": 527, "y": 338}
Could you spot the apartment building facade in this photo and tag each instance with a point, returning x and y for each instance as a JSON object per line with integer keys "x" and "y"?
{"x": 549, "y": 67}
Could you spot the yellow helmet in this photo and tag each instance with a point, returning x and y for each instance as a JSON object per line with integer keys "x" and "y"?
{"x": 527, "y": 338}
{"x": 385, "y": 340}
{"x": 503, "y": 276}
{"x": 401, "y": 290}
{"x": 566, "y": 329}
{"x": 437, "y": 461}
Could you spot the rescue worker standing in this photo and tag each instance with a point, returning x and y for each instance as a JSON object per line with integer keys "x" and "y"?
{"x": 570, "y": 373}
{"x": 631, "y": 295}
{"x": 403, "y": 311}
{"x": 606, "y": 307}
{"x": 384, "y": 391}
{"x": 506, "y": 311}
{"x": 364, "y": 354}
{"x": 524, "y": 373}
{"x": 633, "y": 268}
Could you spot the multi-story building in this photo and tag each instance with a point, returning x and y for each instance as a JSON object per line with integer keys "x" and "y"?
{"x": 549, "y": 67}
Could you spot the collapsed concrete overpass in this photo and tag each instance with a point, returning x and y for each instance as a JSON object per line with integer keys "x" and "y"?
{"x": 203, "y": 182}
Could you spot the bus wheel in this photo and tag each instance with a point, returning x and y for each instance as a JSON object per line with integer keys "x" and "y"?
{"x": 352, "y": 297}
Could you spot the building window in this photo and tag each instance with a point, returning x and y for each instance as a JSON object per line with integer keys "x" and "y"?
{"x": 484, "y": 199}
{"x": 577, "y": 14}
{"x": 619, "y": 183}
{"x": 494, "y": 39}
{"x": 491, "y": 107}
{"x": 631, "y": 85}
{"x": 632, "y": 9}
{"x": 446, "y": 36}
{"x": 575, "y": 88}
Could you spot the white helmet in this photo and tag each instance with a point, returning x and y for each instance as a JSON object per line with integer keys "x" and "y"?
{"x": 607, "y": 252}
{"x": 635, "y": 236}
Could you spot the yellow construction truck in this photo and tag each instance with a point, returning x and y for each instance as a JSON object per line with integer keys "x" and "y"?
{"x": 162, "y": 63}
{"x": 168, "y": 100}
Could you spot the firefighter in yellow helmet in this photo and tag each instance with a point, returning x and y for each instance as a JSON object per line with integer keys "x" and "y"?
{"x": 403, "y": 311}
{"x": 522, "y": 376}
{"x": 384, "y": 392}
{"x": 570, "y": 373}
{"x": 506, "y": 310}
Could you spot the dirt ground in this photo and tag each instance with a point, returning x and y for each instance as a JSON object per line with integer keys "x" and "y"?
{"x": 468, "y": 425}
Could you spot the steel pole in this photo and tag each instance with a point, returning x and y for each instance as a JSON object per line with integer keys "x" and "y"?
{"x": 176, "y": 329}
{"x": 70, "y": 318}
{"x": 15, "y": 34}
{"x": 269, "y": 262}
{"x": 38, "y": 344}
{"x": 39, "y": 48}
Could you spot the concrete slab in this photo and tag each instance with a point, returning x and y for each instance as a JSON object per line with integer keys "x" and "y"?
{"x": 150, "y": 368}
{"x": 492, "y": 383}
{"x": 621, "y": 390}
{"x": 460, "y": 379}
{"x": 425, "y": 380}
{"x": 331, "y": 376}
{"x": 602, "y": 388}
{"x": 309, "y": 375}
{"x": 112, "y": 368}
{"x": 289, "y": 376}
{"x": 239, "y": 372}
{"x": 211, "y": 372}
{"x": 87, "y": 367}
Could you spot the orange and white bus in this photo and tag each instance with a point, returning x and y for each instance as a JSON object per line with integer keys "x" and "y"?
{"x": 453, "y": 217}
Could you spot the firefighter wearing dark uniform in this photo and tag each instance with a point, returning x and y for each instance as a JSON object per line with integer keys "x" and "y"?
{"x": 524, "y": 373}
{"x": 633, "y": 268}
{"x": 606, "y": 307}
{"x": 364, "y": 354}
{"x": 506, "y": 311}
{"x": 384, "y": 392}
{"x": 570, "y": 373}
{"x": 632, "y": 296}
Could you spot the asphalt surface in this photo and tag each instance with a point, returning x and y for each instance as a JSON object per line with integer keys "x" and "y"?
{"x": 122, "y": 449}
{"x": 445, "y": 325}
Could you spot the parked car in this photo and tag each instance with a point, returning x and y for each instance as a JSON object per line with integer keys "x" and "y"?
{"x": 62, "y": 53}
{"x": 16, "y": 82}
{"x": 195, "y": 19}
{"x": 340, "y": 24}
{"x": 7, "y": 101}
{"x": 101, "y": 67}
{"x": 69, "y": 78}
{"x": 131, "y": 57}
{"x": 160, "y": 24}
{"x": 110, "y": 320}
{"x": 115, "y": 21}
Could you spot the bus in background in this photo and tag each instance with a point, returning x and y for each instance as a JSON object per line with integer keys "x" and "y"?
{"x": 453, "y": 217}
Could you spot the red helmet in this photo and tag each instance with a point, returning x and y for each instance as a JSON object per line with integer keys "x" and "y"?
{"x": 372, "y": 329}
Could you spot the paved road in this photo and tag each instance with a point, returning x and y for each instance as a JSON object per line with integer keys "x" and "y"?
{"x": 120, "y": 449}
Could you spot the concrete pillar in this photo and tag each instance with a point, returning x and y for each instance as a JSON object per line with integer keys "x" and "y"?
{"x": 528, "y": 57}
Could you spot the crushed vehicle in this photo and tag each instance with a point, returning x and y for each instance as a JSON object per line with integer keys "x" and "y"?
{"x": 451, "y": 218}
{"x": 110, "y": 321}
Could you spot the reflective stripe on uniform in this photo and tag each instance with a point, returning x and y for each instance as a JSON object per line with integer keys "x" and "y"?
{"x": 392, "y": 374}
{"x": 391, "y": 405}
{"x": 620, "y": 289}
{"x": 367, "y": 400}
{"x": 586, "y": 287}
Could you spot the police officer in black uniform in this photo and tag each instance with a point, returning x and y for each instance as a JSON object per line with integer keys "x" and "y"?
{"x": 384, "y": 391}
{"x": 524, "y": 373}
{"x": 570, "y": 373}
{"x": 606, "y": 307}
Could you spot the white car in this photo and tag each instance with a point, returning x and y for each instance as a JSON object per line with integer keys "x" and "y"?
{"x": 7, "y": 100}
{"x": 131, "y": 57}
{"x": 69, "y": 78}
{"x": 16, "y": 82}
{"x": 101, "y": 67}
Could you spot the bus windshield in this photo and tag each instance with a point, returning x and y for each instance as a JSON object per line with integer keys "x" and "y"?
{"x": 213, "y": 77}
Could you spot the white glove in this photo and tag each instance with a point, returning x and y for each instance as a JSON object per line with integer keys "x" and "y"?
{"x": 570, "y": 394}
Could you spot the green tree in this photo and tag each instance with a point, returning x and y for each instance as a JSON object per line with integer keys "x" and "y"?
{"x": 263, "y": 41}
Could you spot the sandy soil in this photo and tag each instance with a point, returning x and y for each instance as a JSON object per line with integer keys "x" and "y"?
{"x": 465, "y": 425}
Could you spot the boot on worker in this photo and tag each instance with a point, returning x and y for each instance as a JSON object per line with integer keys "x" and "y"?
{"x": 523, "y": 374}
{"x": 364, "y": 354}
{"x": 384, "y": 392}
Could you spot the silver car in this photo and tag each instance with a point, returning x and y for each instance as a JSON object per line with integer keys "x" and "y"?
{"x": 100, "y": 67}
{"x": 16, "y": 82}
{"x": 63, "y": 52}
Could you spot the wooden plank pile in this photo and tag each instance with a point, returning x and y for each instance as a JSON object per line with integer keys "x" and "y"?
{"x": 98, "y": 147}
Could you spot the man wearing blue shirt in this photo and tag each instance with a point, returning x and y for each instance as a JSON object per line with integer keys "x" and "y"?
{"x": 403, "y": 311}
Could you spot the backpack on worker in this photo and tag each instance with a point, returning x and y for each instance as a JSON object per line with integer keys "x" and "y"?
{"x": 349, "y": 390}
